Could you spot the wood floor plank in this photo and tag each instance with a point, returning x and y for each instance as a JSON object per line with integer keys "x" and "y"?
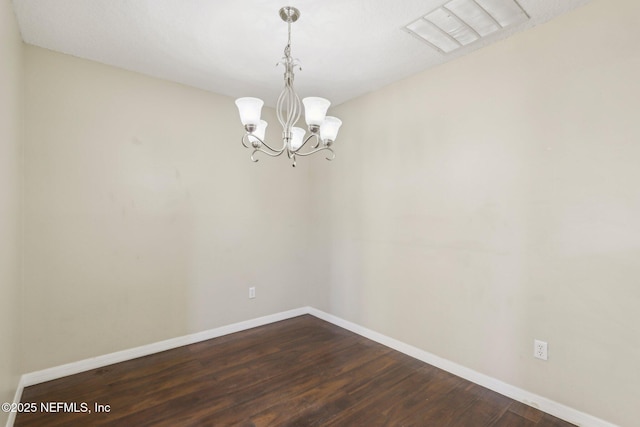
{"x": 526, "y": 411}
{"x": 314, "y": 409}
{"x": 487, "y": 407}
{"x": 307, "y": 377}
{"x": 298, "y": 372}
{"x": 510, "y": 419}
{"x": 392, "y": 400}
{"x": 551, "y": 421}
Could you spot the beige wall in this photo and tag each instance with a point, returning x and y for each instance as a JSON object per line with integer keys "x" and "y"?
{"x": 11, "y": 95}
{"x": 495, "y": 199}
{"x": 144, "y": 217}
{"x": 471, "y": 209}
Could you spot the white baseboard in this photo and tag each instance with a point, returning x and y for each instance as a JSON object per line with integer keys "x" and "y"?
{"x": 56, "y": 372}
{"x": 145, "y": 350}
{"x": 16, "y": 399}
{"x": 549, "y": 406}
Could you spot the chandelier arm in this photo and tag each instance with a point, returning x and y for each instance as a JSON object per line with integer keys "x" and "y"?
{"x": 288, "y": 105}
{"x": 298, "y": 105}
{"x": 333, "y": 155}
{"x": 279, "y": 107}
{"x": 307, "y": 139}
{"x": 256, "y": 150}
{"x": 293, "y": 107}
{"x": 288, "y": 109}
{"x": 246, "y": 135}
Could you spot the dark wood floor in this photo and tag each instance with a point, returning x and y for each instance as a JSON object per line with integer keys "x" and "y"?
{"x": 299, "y": 372}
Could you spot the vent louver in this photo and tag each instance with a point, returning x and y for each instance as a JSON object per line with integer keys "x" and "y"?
{"x": 458, "y": 23}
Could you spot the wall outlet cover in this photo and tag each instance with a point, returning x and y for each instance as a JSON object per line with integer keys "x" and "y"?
{"x": 540, "y": 350}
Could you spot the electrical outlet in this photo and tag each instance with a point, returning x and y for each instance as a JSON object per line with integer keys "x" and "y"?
{"x": 540, "y": 349}
{"x": 252, "y": 292}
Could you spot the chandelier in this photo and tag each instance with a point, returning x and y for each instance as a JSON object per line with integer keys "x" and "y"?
{"x": 323, "y": 129}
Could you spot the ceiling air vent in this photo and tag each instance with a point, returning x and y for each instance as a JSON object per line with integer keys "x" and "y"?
{"x": 461, "y": 22}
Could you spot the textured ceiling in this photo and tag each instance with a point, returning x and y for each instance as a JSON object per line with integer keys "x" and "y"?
{"x": 346, "y": 47}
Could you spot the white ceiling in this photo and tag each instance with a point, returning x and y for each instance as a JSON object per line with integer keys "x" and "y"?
{"x": 347, "y": 47}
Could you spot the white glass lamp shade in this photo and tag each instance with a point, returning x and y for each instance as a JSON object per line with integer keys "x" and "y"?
{"x": 250, "y": 110}
{"x": 315, "y": 109}
{"x": 297, "y": 136}
{"x": 329, "y": 128}
{"x": 259, "y": 132}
